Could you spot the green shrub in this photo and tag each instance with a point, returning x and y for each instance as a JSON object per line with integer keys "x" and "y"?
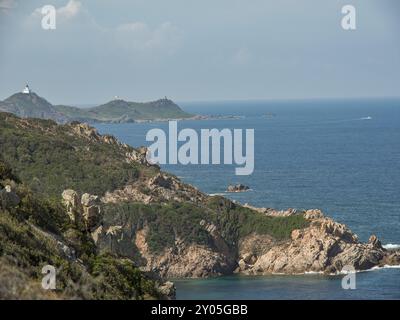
{"x": 120, "y": 279}
{"x": 59, "y": 160}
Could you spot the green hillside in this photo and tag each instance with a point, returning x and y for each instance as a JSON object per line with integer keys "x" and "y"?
{"x": 50, "y": 158}
{"x": 33, "y": 106}
{"x": 35, "y": 231}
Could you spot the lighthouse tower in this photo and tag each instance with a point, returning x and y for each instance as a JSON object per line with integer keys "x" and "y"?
{"x": 26, "y": 90}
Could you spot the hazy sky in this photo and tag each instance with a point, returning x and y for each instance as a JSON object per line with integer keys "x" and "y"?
{"x": 199, "y": 50}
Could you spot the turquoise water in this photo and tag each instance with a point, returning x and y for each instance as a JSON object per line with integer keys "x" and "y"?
{"x": 342, "y": 156}
{"x": 369, "y": 285}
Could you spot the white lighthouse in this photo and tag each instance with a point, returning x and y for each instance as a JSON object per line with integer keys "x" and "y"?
{"x": 26, "y": 90}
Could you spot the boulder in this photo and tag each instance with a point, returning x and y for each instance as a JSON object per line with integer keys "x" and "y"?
{"x": 374, "y": 242}
{"x": 313, "y": 214}
{"x": 167, "y": 290}
{"x": 140, "y": 155}
{"x": 89, "y": 200}
{"x": 86, "y": 208}
{"x": 237, "y": 188}
{"x": 392, "y": 258}
{"x": 91, "y": 211}
{"x": 161, "y": 180}
{"x": 70, "y": 199}
{"x": 249, "y": 258}
{"x": 242, "y": 265}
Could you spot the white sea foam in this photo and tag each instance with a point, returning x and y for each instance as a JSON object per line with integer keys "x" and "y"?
{"x": 391, "y": 246}
{"x": 347, "y": 272}
{"x": 384, "y": 267}
{"x": 314, "y": 272}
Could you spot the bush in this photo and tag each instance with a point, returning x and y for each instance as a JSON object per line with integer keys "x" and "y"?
{"x": 120, "y": 279}
{"x": 6, "y": 172}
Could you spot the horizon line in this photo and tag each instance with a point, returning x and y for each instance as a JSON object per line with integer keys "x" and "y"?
{"x": 225, "y": 100}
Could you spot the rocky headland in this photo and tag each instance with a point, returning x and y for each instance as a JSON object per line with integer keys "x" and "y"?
{"x": 324, "y": 246}
{"x": 132, "y": 211}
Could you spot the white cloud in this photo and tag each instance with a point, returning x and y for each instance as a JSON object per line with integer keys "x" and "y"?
{"x": 241, "y": 57}
{"x": 138, "y": 36}
{"x": 6, "y": 5}
{"x": 71, "y": 10}
{"x": 134, "y": 39}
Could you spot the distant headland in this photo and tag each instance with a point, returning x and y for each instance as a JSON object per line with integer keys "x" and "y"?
{"x": 27, "y": 104}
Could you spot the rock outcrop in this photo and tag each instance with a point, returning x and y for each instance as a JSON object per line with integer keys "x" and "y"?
{"x": 91, "y": 211}
{"x": 273, "y": 212}
{"x": 86, "y": 209}
{"x": 183, "y": 260}
{"x": 325, "y": 246}
{"x": 237, "y": 188}
{"x": 159, "y": 188}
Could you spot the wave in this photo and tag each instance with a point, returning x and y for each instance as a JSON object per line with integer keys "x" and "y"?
{"x": 348, "y": 120}
{"x": 390, "y": 246}
{"x": 348, "y": 272}
{"x": 386, "y": 266}
{"x": 366, "y": 118}
{"x": 314, "y": 272}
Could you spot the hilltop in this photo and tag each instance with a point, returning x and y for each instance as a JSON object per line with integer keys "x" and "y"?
{"x": 30, "y": 105}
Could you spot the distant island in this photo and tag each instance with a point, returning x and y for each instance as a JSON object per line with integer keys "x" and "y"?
{"x": 27, "y": 104}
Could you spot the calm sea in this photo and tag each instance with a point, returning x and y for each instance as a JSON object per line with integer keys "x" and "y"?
{"x": 342, "y": 156}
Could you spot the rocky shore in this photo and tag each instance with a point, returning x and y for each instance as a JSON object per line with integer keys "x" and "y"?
{"x": 130, "y": 210}
{"x": 325, "y": 246}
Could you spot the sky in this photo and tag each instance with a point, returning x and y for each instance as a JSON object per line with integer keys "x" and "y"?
{"x": 190, "y": 50}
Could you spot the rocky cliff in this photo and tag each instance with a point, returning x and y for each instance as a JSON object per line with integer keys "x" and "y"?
{"x": 133, "y": 210}
{"x": 324, "y": 246}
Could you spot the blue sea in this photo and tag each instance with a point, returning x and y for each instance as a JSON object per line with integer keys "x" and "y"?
{"x": 341, "y": 156}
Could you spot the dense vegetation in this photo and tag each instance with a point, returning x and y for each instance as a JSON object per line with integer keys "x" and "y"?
{"x": 35, "y": 232}
{"x": 50, "y": 158}
{"x": 166, "y": 222}
{"x": 124, "y": 111}
{"x": 40, "y": 159}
